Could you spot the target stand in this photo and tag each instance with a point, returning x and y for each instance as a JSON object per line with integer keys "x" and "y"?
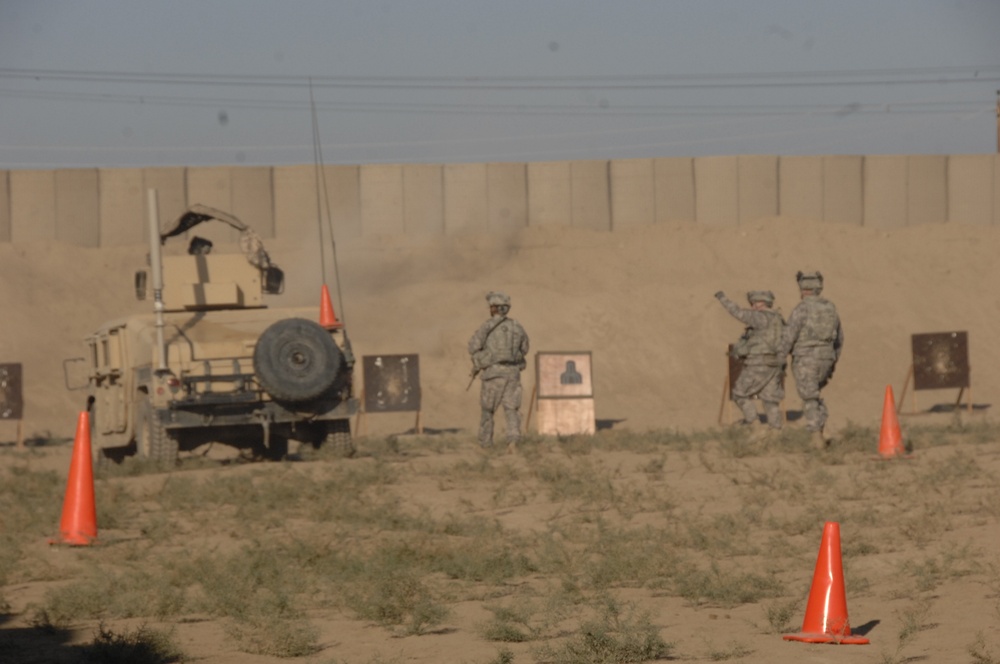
{"x": 391, "y": 385}
{"x": 940, "y": 361}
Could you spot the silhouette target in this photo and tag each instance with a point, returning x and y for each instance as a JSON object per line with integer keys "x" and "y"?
{"x": 11, "y": 401}
{"x": 392, "y": 383}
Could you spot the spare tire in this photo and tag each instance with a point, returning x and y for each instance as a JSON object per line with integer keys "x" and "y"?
{"x": 296, "y": 360}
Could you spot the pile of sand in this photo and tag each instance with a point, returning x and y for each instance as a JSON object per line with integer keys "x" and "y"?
{"x": 640, "y": 300}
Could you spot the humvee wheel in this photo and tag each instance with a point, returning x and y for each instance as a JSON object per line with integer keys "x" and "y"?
{"x": 296, "y": 360}
{"x": 338, "y": 439}
{"x": 153, "y": 441}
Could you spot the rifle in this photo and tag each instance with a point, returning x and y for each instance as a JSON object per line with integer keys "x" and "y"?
{"x": 475, "y": 371}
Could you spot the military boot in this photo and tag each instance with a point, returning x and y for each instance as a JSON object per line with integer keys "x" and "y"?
{"x": 818, "y": 440}
{"x": 758, "y": 432}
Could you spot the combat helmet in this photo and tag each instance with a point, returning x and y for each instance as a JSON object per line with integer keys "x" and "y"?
{"x": 810, "y": 281}
{"x": 498, "y": 299}
{"x": 764, "y": 296}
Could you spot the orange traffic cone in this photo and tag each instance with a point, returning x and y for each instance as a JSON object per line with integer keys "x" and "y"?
{"x": 79, "y": 517}
{"x": 890, "y": 440}
{"x": 327, "y": 318}
{"x": 826, "y": 614}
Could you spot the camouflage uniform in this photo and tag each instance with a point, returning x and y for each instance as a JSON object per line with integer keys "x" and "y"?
{"x": 498, "y": 349}
{"x": 762, "y": 375}
{"x": 815, "y": 339}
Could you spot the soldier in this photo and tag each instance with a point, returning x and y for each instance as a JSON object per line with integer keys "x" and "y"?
{"x": 815, "y": 339}
{"x": 498, "y": 350}
{"x": 763, "y": 373}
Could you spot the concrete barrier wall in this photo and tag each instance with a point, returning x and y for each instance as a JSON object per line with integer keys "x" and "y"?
{"x": 4, "y": 206}
{"x": 673, "y": 178}
{"x": 107, "y": 207}
{"x": 971, "y": 189}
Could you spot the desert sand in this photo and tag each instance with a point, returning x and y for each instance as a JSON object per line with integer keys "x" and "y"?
{"x": 642, "y": 302}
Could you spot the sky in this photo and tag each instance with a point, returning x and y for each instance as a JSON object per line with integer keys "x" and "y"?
{"x": 135, "y": 83}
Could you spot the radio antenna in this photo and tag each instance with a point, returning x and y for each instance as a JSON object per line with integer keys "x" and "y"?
{"x": 323, "y": 203}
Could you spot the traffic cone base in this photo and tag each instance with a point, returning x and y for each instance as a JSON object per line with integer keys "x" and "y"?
{"x": 826, "y": 612}
{"x": 78, "y": 526}
{"x": 327, "y": 317}
{"x": 890, "y": 439}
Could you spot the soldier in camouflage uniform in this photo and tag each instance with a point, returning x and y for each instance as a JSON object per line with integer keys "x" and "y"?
{"x": 498, "y": 349}
{"x": 815, "y": 339}
{"x": 762, "y": 375}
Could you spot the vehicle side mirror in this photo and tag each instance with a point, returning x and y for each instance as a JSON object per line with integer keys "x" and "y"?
{"x": 140, "y": 284}
{"x": 274, "y": 280}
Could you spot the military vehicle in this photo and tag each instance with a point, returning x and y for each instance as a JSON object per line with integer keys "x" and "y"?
{"x": 212, "y": 363}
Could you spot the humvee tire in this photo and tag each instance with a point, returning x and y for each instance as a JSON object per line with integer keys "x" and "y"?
{"x": 152, "y": 440}
{"x": 338, "y": 439}
{"x": 296, "y": 360}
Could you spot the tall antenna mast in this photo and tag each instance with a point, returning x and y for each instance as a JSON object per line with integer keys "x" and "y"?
{"x": 323, "y": 203}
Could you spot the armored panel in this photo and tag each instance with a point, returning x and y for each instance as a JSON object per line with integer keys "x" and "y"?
{"x": 590, "y": 198}
{"x": 632, "y": 193}
{"x": 392, "y": 383}
{"x": 940, "y": 360}
{"x": 465, "y": 193}
{"x": 507, "y": 195}
{"x": 673, "y": 179}
{"x": 11, "y": 399}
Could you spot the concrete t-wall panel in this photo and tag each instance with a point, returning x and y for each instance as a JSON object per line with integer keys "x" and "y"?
{"x": 212, "y": 186}
{"x": 295, "y": 202}
{"x": 423, "y": 199}
{"x": 885, "y": 191}
{"x": 465, "y": 198}
{"x": 590, "y": 195}
{"x": 296, "y": 205}
{"x": 970, "y": 189}
{"x": 717, "y": 190}
{"x": 550, "y": 198}
{"x": 382, "y": 199}
{"x": 673, "y": 199}
{"x": 758, "y": 187}
{"x": 996, "y": 190}
{"x": 4, "y": 206}
{"x": 800, "y": 187}
{"x": 253, "y": 198}
{"x": 843, "y": 189}
{"x": 343, "y": 191}
{"x": 507, "y": 196}
{"x": 927, "y": 189}
{"x": 171, "y": 195}
{"x": 633, "y": 193}
{"x": 78, "y": 213}
{"x": 122, "y": 201}
{"x": 32, "y": 206}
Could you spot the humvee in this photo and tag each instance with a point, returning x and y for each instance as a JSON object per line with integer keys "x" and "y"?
{"x": 212, "y": 363}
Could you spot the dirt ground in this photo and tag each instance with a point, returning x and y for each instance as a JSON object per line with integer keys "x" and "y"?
{"x": 641, "y": 301}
